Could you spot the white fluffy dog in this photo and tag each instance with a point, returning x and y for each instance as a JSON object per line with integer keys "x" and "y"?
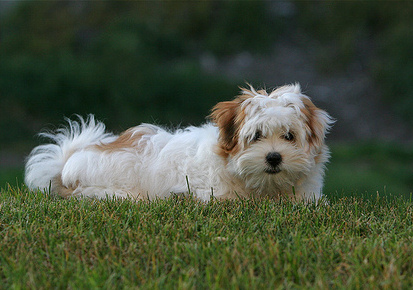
{"x": 258, "y": 145}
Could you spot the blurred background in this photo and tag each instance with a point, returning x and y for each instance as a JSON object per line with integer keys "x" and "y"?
{"x": 169, "y": 62}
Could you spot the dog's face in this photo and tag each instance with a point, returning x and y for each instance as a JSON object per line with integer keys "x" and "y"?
{"x": 271, "y": 140}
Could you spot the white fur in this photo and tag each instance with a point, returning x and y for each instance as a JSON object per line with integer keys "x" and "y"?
{"x": 161, "y": 162}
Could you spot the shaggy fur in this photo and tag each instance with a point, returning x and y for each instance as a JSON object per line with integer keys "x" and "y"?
{"x": 257, "y": 145}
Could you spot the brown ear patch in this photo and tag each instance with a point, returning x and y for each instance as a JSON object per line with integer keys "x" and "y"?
{"x": 224, "y": 115}
{"x": 229, "y": 117}
{"x": 317, "y": 123}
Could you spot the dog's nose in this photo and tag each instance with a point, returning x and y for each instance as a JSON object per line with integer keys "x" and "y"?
{"x": 274, "y": 159}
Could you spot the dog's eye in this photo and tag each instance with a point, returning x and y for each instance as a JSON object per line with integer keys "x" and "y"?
{"x": 257, "y": 136}
{"x": 289, "y": 136}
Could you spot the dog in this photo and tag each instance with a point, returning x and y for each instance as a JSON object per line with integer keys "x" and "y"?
{"x": 258, "y": 145}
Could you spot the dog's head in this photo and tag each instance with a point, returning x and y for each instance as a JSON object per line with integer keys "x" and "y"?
{"x": 271, "y": 139}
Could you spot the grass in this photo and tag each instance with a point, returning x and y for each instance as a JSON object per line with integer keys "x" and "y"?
{"x": 181, "y": 243}
{"x": 362, "y": 239}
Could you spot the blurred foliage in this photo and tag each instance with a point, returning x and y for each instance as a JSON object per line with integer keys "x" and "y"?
{"x": 357, "y": 169}
{"x": 138, "y": 61}
{"x": 126, "y": 62}
{"x": 376, "y": 35}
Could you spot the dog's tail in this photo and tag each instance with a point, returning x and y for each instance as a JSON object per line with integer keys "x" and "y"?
{"x": 46, "y": 161}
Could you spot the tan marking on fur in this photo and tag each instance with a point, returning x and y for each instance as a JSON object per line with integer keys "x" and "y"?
{"x": 60, "y": 189}
{"x": 229, "y": 118}
{"x": 316, "y": 129}
{"x": 128, "y": 139}
{"x": 263, "y": 92}
{"x": 317, "y": 158}
{"x": 249, "y": 93}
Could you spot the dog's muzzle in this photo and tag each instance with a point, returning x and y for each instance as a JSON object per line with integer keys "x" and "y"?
{"x": 273, "y": 160}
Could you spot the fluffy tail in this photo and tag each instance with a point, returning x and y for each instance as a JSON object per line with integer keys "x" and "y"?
{"x": 46, "y": 161}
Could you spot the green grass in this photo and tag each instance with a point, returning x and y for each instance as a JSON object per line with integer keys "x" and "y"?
{"x": 181, "y": 243}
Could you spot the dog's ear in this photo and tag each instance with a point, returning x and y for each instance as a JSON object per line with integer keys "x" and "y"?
{"x": 318, "y": 122}
{"x": 224, "y": 115}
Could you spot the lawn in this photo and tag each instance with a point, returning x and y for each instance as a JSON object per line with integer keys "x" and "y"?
{"x": 362, "y": 239}
{"x": 48, "y": 242}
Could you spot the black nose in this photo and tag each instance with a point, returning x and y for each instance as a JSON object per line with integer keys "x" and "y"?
{"x": 274, "y": 159}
